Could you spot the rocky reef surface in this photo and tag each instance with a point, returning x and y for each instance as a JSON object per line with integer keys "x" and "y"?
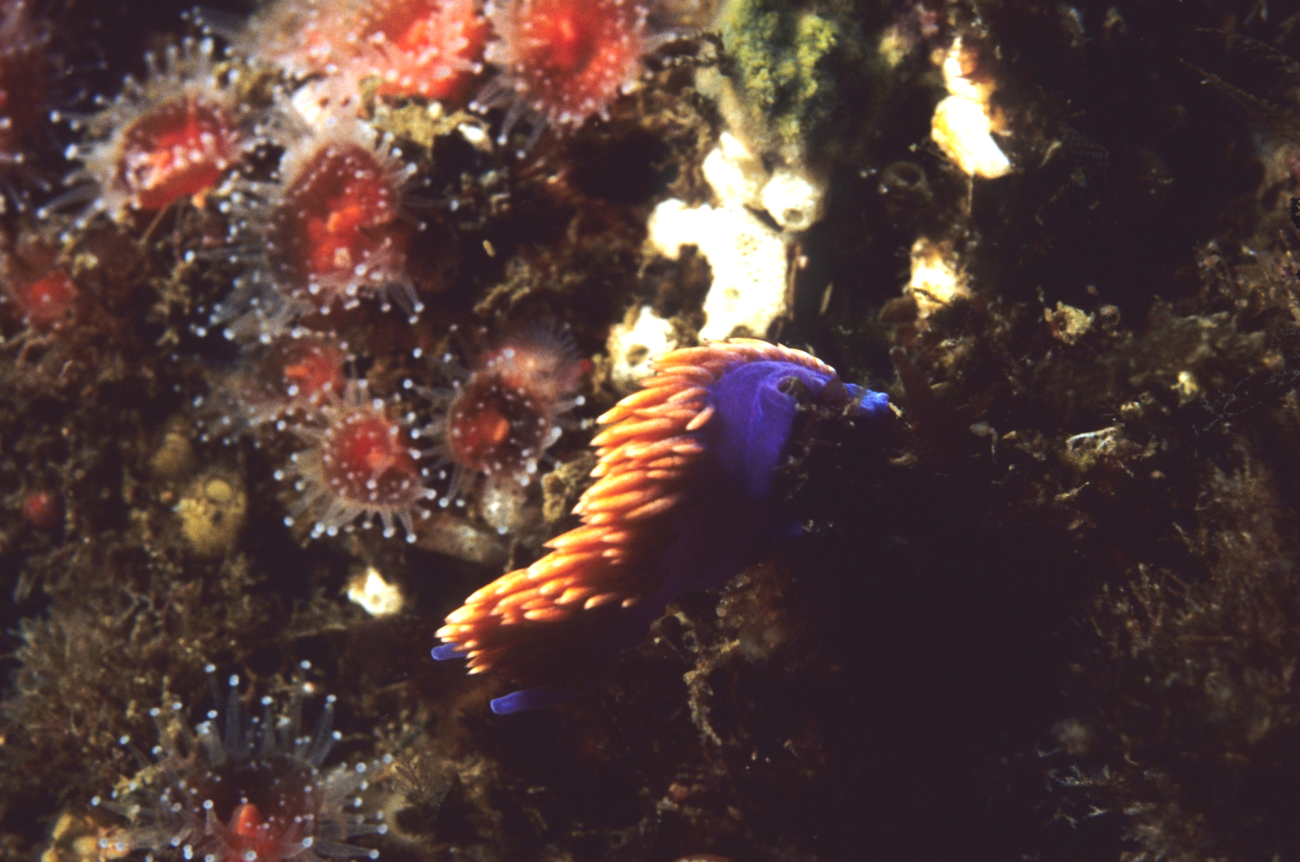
{"x": 310, "y": 309}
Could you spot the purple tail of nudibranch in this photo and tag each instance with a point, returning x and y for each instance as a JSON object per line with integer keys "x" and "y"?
{"x": 682, "y": 500}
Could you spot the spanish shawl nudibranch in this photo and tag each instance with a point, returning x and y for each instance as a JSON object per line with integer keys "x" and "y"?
{"x": 683, "y": 500}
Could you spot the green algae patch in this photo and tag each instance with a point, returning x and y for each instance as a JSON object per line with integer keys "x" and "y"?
{"x": 786, "y": 64}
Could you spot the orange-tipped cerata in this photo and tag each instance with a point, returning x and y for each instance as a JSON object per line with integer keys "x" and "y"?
{"x": 646, "y": 454}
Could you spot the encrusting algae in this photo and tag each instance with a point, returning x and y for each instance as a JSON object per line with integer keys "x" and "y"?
{"x": 317, "y": 317}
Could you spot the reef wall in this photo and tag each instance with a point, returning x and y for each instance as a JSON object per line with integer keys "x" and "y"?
{"x": 310, "y": 312}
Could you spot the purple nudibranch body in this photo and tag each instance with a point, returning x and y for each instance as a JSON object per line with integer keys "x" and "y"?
{"x": 683, "y": 501}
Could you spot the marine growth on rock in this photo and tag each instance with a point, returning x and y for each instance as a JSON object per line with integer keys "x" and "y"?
{"x": 318, "y": 316}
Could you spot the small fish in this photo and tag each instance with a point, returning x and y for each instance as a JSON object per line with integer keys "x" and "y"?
{"x": 682, "y": 501}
